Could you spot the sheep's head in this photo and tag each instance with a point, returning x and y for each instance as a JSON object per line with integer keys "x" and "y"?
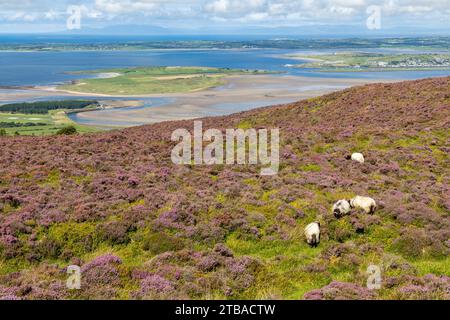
{"x": 341, "y": 208}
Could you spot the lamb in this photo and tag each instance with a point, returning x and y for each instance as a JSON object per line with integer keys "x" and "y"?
{"x": 358, "y": 157}
{"x": 366, "y": 203}
{"x": 341, "y": 208}
{"x": 312, "y": 233}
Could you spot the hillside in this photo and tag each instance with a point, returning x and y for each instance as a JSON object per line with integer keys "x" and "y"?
{"x": 143, "y": 228}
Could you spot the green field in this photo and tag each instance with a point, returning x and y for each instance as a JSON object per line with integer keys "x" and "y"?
{"x": 360, "y": 61}
{"x": 47, "y": 123}
{"x": 154, "y": 80}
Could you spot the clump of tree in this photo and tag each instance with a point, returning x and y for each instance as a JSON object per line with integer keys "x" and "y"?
{"x": 42, "y": 107}
{"x": 2, "y": 132}
{"x": 69, "y": 130}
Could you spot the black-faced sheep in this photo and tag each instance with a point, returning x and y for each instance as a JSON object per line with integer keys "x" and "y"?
{"x": 358, "y": 157}
{"x": 312, "y": 234}
{"x": 366, "y": 203}
{"x": 341, "y": 208}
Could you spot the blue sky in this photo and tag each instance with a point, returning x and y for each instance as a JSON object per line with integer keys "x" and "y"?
{"x": 223, "y": 16}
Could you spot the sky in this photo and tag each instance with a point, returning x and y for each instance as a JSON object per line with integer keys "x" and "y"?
{"x": 223, "y": 16}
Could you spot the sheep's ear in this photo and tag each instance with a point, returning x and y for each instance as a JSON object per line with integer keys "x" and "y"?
{"x": 318, "y": 223}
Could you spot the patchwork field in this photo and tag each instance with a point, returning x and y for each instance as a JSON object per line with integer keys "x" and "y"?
{"x": 153, "y": 80}
{"x": 38, "y": 124}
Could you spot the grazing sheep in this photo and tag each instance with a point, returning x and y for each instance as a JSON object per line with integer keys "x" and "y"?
{"x": 312, "y": 233}
{"x": 358, "y": 157}
{"x": 367, "y": 204}
{"x": 341, "y": 208}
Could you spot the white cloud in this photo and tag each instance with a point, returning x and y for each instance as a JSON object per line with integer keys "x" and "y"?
{"x": 128, "y": 6}
{"x": 238, "y": 12}
{"x": 236, "y": 8}
{"x": 318, "y": 8}
{"x": 218, "y": 6}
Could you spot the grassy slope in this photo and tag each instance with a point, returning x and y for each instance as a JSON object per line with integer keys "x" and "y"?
{"x": 151, "y": 80}
{"x": 68, "y": 200}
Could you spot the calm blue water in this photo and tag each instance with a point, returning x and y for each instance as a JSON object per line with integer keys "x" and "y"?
{"x": 44, "y": 68}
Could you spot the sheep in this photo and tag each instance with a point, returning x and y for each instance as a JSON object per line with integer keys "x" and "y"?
{"x": 341, "y": 208}
{"x": 358, "y": 157}
{"x": 312, "y": 233}
{"x": 366, "y": 203}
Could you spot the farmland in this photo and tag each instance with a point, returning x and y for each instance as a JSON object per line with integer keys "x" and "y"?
{"x": 361, "y": 61}
{"x": 154, "y": 80}
{"x": 40, "y": 118}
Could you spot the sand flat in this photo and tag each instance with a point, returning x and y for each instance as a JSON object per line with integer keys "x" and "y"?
{"x": 239, "y": 93}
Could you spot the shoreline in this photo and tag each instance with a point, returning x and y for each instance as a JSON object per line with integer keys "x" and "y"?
{"x": 241, "y": 93}
{"x": 227, "y": 81}
{"x": 149, "y": 49}
{"x": 237, "y": 93}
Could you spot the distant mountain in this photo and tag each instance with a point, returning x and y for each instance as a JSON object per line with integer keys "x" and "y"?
{"x": 121, "y": 30}
{"x": 329, "y": 31}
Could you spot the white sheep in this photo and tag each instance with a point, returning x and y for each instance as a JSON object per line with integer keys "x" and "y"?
{"x": 341, "y": 208}
{"x": 358, "y": 157}
{"x": 312, "y": 233}
{"x": 366, "y": 203}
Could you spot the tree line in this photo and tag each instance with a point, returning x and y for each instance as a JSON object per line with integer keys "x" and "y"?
{"x": 42, "y": 107}
{"x": 21, "y": 124}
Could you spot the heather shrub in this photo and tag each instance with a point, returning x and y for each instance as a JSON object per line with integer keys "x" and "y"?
{"x": 243, "y": 271}
{"x": 428, "y": 287}
{"x": 223, "y": 250}
{"x": 10, "y": 246}
{"x": 344, "y": 256}
{"x": 411, "y": 243}
{"x": 101, "y": 277}
{"x": 9, "y": 292}
{"x": 154, "y": 286}
{"x": 340, "y": 291}
{"x": 206, "y": 232}
{"x": 209, "y": 262}
{"x": 114, "y": 232}
{"x": 340, "y": 229}
{"x": 48, "y": 248}
{"x": 44, "y": 283}
{"x": 316, "y": 267}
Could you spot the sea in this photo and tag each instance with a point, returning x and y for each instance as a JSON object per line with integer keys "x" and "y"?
{"x": 38, "y": 68}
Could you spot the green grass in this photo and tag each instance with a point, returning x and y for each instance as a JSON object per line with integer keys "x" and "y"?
{"x": 154, "y": 80}
{"x": 437, "y": 267}
{"x": 311, "y": 167}
{"x": 53, "y": 121}
{"x": 284, "y": 260}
